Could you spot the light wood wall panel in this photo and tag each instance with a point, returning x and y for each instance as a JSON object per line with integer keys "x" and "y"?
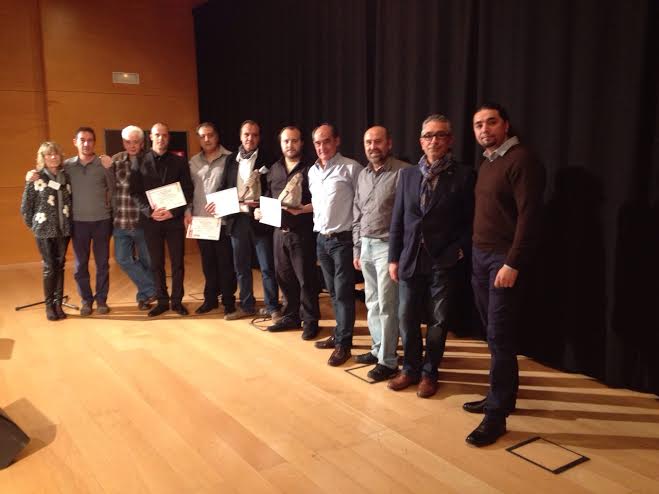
{"x": 62, "y": 56}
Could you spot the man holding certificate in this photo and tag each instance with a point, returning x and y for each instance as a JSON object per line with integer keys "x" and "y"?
{"x": 294, "y": 245}
{"x": 162, "y": 189}
{"x": 206, "y": 169}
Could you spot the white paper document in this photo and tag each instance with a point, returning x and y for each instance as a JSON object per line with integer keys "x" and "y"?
{"x": 226, "y": 202}
{"x": 204, "y": 227}
{"x": 168, "y": 196}
{"x": 270, "y": 211}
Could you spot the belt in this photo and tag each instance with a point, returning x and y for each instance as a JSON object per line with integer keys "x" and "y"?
{"x": 345, "y": 235}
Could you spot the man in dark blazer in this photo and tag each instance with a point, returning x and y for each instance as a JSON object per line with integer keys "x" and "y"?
{"x": 159, "y": 168}
{"x": 245, "y": 232}
{"x": 430, "y": 229}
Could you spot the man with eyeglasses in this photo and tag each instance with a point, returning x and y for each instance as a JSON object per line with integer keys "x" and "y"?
{"x": 509, "y": 194}
{"x": 374, "y": 203}
{"x": 430, "y": 230}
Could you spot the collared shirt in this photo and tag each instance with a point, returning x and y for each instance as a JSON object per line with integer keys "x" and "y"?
{"x": 92, "y": 185}
{"x": 501, "y": 150}
{"x": 374, "y": 201}
{"x": 333, "y": 193}
{"x": 205, "y": 178}
{"x": 126, "y": 213}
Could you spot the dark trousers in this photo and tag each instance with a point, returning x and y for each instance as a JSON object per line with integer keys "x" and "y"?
{"x": 499, "y": 309}
{"x": 91, "y": 236}
{"x": 427, "y": 292}
{"x": 295, "y": 268}
{"x": 335, "y": 258}
{"x": 171, "y": 232}
{"x": 53, "y": 255}
{"x": 219, "y": 276}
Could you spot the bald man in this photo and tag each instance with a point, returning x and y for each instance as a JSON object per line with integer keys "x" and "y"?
{"x": 372, "y": 209}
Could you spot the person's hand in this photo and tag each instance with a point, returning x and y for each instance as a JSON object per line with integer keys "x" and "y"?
{"x": 257, "y": 214}
{"x": 161, "y": 214}
{"x": 506, "y": 277}
{"x": 393, "y": 271}
{"x": 106, "y": 161}
{"x": 187, "y": 219}
{"x": 293, "y": 211}
{"x": 210, "y": 208}
{"x": 356, "y": 262}
{"x": 32, "y": 176}
{"x": 461, "y": 255}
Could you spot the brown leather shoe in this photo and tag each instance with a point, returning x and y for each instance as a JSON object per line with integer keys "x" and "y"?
{"x": 402, "y": 381}
{"x": 427, "y": 387}
{"x": 326, "y": 344}
{"x": 339, "y": 356}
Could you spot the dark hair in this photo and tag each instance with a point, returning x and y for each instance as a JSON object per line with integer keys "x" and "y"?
{"x": 488, "y": 105}
{"x": 207, "y": 124}
{"x": 250, "y": 122}
{"x": 84, "y": 129}
{"x": 290, "y": 127}
{"x": 386, "y": 130}
{"x": 335, "y": 131}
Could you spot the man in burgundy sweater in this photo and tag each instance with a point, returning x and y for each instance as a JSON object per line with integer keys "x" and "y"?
{"x": 508, "y": 194}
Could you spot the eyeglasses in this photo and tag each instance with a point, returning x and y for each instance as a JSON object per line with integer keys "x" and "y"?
{"x": 438, "y": 135}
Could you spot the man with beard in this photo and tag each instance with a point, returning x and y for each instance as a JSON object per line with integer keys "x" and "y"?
{"x": 295, "y": 262}
{"x": 206, "y": 169}
{"x": 509, "y": 194}
{"x": 374, "y": 202}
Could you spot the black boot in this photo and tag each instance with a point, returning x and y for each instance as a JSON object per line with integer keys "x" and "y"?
{"x": 49, "y": 280}
{"x": 59, "y": 295}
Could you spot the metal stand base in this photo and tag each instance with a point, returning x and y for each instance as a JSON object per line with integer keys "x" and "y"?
{"x": 64, "y": 303}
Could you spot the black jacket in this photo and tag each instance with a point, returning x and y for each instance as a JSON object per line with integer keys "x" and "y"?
{"x": 276, "y": 182}
{"x": 445, "y": 228}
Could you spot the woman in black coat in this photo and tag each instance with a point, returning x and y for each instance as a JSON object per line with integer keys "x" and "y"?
{"x": 46, "y": 210}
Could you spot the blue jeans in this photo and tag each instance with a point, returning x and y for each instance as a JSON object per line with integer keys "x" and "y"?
{"x": 426, "y": 292}
{"x": 88, "y": 235}
{"x": 335, "y": 258}
{"x": 132, "y": 255}
{"x": 381, "y": 300}
{"x": 498, "y": 308}
{"x": 243, "y": 238}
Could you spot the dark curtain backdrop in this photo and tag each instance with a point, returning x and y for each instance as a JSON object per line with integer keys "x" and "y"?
{"x": 579, "y": 79}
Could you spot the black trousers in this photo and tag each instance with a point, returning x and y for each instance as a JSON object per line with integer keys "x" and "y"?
{"x": 172, "y": 233}
{"x": 295, "y": 268}
{"x": 217, "y": 265}
{"x": 53, "y": 255}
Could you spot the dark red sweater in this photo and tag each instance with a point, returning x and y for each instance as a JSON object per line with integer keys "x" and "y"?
{"x": 509, "y": 194}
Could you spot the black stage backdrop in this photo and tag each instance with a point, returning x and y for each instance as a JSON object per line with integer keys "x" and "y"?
{"x": 579, "y": 79}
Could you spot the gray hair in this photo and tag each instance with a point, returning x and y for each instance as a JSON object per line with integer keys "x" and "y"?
{"x": 436, "y": 117}
{"x": 127, "y": 131}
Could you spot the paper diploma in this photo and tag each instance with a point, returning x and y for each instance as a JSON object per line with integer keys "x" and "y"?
{"x": 204, "y": 227}
{"x": 168, "y": 196}
{"x": 226, "y": 202}
{"x": 270, "y": 211}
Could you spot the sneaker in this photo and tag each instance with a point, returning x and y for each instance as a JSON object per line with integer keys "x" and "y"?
{"x": 275, "y": 315}
{"x": 86, "y": 309}
{"x": 381, "y": 373}
{"x": 366, "y": 359}
{"x": 239, "y": 314}
{"x": 283, "y": 325}
{"x": 102, "y": 308}
{"x": 326, "y": 344}
{"x": 146, "y": 304}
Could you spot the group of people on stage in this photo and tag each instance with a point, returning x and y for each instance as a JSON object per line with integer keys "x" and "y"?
{"x": 405, "y": 227}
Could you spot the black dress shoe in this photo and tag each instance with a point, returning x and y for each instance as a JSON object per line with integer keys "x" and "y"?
{"x": 180, "y": 309}
{"x": 475, "y": 406}
{"x": 158, "y": 309}
{"x": 326, "y": 344}
{"x": 146, "y": 304}
{"x": 309, "y": 330}
{"x": 206, "y": 307}
{"x": 283, "y": 325}
{"x": 487, "y": 432}
{"x": 366, "y": 359}
{"x": 339, "y": 356}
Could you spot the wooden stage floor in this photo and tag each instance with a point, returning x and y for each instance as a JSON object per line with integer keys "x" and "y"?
{"x": 122, "y": 404}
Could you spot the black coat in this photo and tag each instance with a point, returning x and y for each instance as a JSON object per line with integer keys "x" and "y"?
{"x": 446, "y": 225}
